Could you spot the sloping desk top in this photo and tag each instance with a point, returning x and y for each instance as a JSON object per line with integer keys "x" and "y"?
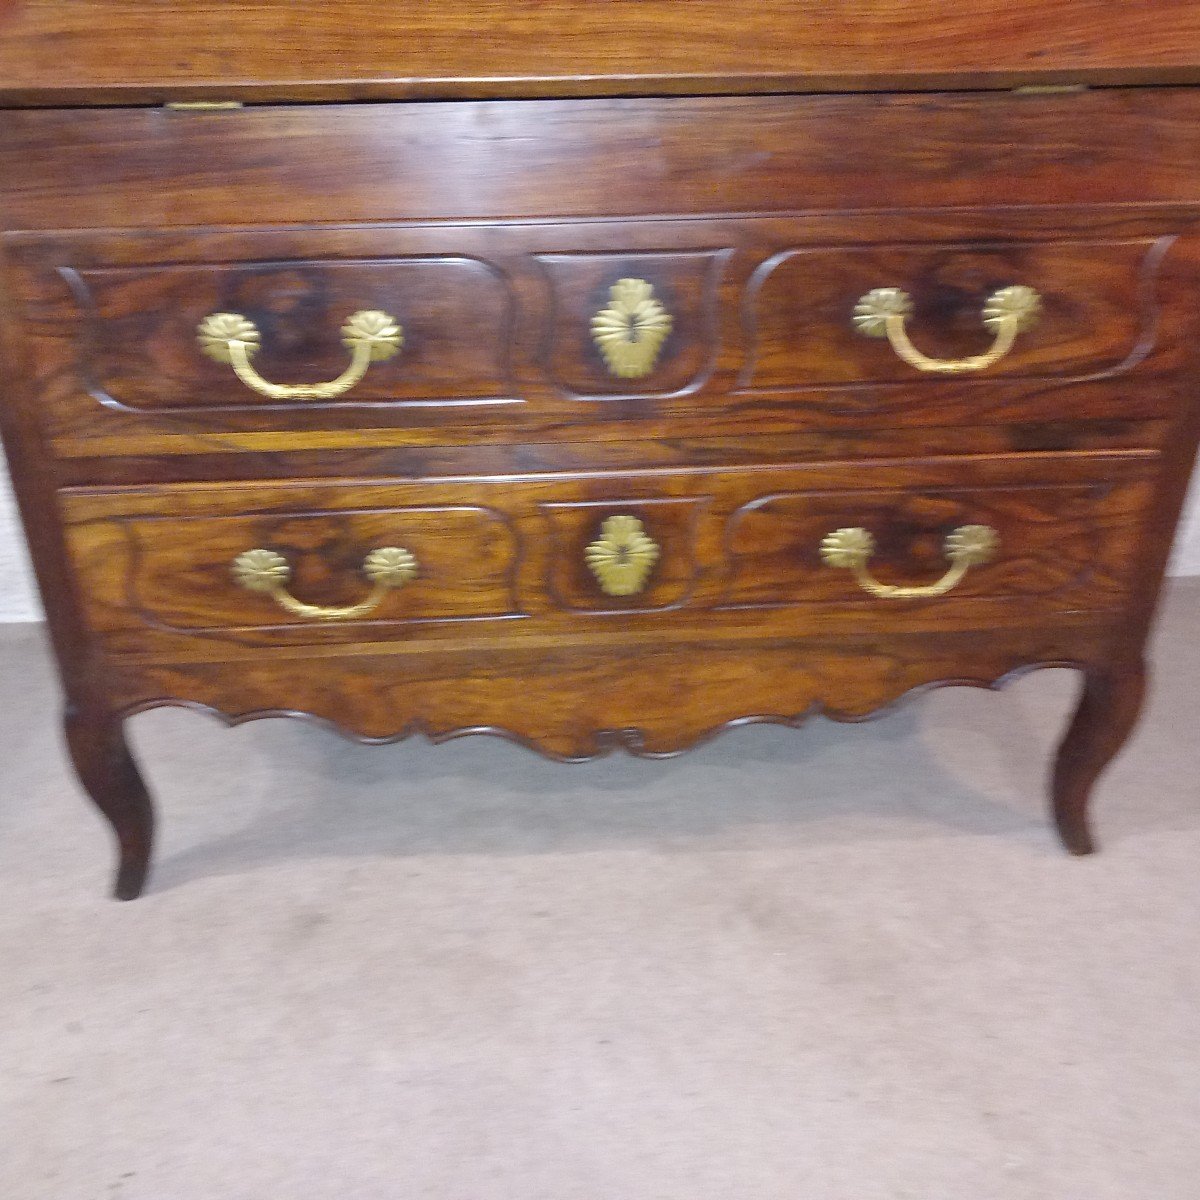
{"x": 120, "y": 51}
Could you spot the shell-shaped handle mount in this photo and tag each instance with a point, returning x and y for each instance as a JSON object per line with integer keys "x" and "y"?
{"x": 370, "y": 336}
{"x": 966, "y": 547}
{"x": 267, "y": 571}
{"x": 883, "y": 313}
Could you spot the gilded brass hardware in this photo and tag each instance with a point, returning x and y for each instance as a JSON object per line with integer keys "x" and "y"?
{"x": 1007, "y": 313}
{"x": 622, "y": 557}
{"x": 203, "y": 105}
{"x": 231, "y": 338}
{"x": 266, "y": 571}
{"x": 966, "y": 547}
{"x": 630, "y": 331}
{"x": 1050, "y": 89}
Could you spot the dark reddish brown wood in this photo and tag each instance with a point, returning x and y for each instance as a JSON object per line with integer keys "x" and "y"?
{"x": 162, "y": 568}
{"x": 139, "y": 329}
{"x": 498, "y": 342}
{"x": 92, "y": 724}
{"x": 72, "y": 51}
{"x": 122, "y": 168}
{"x": 106, "y": 768}
{"x": 503, "y": 559}
{"x": 1097, "y": 316}
{"x": 486, "y": 457}
{"x": 1054, "y": 540}
{"x": 497, "y": 443}
{"x": 573, "y": 700}
{"x": 1109, "y": 706}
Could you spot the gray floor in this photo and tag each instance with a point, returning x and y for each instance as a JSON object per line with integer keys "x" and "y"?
{"x": 848, "y": 962}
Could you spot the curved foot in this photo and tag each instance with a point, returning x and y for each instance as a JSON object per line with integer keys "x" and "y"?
{"x": 109, "y": 775}
{"x": 1108, "y": 710}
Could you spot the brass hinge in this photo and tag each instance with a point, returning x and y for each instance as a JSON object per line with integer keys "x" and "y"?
{"x": 202, "y": 105}
{"x": 1050, "y": 89}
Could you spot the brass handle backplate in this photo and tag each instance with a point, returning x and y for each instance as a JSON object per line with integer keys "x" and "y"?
{"x": 630, "y": 330}
{"x": 370, "y": 336}
{"x": 622, "y": 557}
{"x": 966, "y": 547}
{"x": 882, "y": 313}
{"x": 266, "y": 571}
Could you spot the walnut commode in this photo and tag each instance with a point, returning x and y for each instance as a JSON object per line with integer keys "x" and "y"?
{"x": 596, "y": 384}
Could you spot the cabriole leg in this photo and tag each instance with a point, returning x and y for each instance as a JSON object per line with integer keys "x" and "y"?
{"x": 1108, "y": 710}
{"x": 109, "y": 775}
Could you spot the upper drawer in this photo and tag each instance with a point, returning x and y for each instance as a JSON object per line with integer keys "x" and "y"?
{"x": 819, "y": 315}
{"x": 612, "y": 330}
{"x": 140, "y": 348}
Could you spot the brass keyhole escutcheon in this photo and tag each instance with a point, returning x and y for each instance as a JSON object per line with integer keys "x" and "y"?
{"x": 630, "y": 331}
{"x": 623, "y": 556}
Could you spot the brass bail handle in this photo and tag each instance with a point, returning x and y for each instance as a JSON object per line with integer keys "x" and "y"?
{"x": 370, "y": 336}
{"x": 966, "y": 547}
{"x": 1011, "y": 311}
{"x": 266, "y": 571}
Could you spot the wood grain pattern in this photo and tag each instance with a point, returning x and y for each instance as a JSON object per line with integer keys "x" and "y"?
{"x": 114, "y": 51}
{"x": 730, "y": 540}
{"x": 674, "y": 525}
{"x": 1098, "y": 309}
{"x": 179, "y": 576}
{"x": 573, "y": 703}
{"x": 1056, "y": 542}
{"x": 762, "y": 337}
{"x": 478, "y": 161}
{"x": 141, "y": 469}
{"x": 686, "y": 283}
{"x": 136, "y": 330}
{"x": 392, "y": 454}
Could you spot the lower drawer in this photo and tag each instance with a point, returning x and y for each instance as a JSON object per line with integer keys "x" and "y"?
{"x": 878, "y": 547}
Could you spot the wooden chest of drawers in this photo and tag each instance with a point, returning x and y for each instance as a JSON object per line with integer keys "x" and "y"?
{"x": 590, "y": 396}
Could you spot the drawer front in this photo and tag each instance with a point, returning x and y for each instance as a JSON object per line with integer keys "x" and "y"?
{"x": 803, "y": 547}
{"x": 143, "y": 352}
{"x": 515, "y": 334}
{"x": 886, "y": 548}
{"x": 295, "y": 572}
{"x": 1094, "y": 311}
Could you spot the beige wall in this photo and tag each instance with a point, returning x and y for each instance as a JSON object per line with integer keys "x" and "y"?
{"x": 17, "y": 599}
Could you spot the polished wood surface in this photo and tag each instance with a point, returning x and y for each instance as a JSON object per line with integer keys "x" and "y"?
{"x": 497, "y": 443}
{"x": 178, "y": 569}
{"x": 1097, "y": 316}
{"x": 574, "y": 702}
{"x": 497, "y": 329}
{"x": 1109, "y": 707}
{"x": 347, "y": 164}
{"x": 843, "y": 194}
{"x": 140, "y": 327}
{"x": 502, "y": 561}
{"x": 113, "y": 51}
